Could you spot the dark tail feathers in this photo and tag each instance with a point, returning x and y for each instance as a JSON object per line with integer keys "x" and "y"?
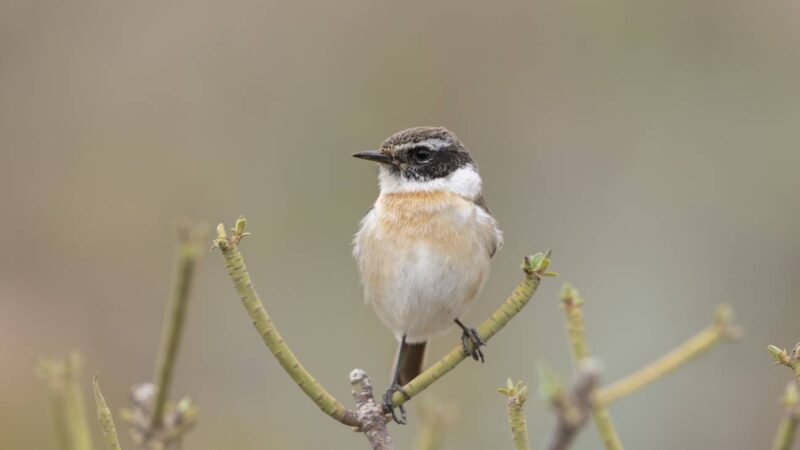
{"x": 408, "y": 361}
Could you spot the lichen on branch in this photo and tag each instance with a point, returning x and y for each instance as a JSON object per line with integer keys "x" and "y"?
{"x": 177, "y": 420}
{"x": 370, "y": 413}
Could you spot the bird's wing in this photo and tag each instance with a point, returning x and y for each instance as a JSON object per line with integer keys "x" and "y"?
{"x": 494, "y": 237}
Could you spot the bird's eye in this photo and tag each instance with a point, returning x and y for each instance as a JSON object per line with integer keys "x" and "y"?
{"x": 422, "y": 154}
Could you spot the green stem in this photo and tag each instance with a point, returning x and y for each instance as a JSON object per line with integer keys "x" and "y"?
{"x": 435, "y": 418}
{"x": 784, "y": 437}
{"x": 105, "y": 418}
{"x": 788, "y": 359}
{"x": 66, "y": 397}
{"x": 535, "y": 267}
{"x": 269, "y": 333}
{"x": 721, "y": 330}
{"x": 576, "y": 330}
{"x": 186, "y": 261}
{"x": 519, "y": 425}
{"x": 428, "y": 438}
{"x": 516, "y": 396}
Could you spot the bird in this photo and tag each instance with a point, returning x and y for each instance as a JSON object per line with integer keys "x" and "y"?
{"x": 424, "y": 249}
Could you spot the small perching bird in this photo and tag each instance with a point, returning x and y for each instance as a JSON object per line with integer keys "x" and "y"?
{"x": 424, "y": 248}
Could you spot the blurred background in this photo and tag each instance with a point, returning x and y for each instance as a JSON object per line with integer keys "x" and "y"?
{"x": 652, "y": 145}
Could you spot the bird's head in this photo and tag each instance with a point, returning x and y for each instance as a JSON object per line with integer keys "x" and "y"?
{"x": 425, "y": 159}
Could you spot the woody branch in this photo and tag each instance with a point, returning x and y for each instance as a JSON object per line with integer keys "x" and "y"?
{"x": 534, "y": 267}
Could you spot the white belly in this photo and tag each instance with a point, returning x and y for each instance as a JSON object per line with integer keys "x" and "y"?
{"x": 427, "y": 292}
{"x": 424, "y": 260}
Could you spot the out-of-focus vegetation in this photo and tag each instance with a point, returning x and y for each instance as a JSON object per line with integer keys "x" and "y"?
{"x": 652, "y": 146}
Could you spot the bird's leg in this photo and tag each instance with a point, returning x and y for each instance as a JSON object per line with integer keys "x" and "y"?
{"x": 388, "y": 406}
{"x": 471, "y": 341}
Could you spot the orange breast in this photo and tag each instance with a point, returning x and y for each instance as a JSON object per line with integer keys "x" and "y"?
{"x": 423, "y": 258}
{"x": 440, "y": 219}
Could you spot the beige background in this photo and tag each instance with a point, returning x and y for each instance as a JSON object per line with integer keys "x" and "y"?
{"x": 652, "y": 145}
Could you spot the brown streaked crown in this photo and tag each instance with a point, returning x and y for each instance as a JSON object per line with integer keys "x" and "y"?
{"x": 425, "y": 153}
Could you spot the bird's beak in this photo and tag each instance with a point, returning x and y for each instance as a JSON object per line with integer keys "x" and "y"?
{"x": 372, "y": 155}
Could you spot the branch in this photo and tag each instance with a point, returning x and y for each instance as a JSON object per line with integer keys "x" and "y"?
{"x": 229, "y": 245}
{"x": 790, "y": 360}
{"x": 786, "y": 430}
{"x": 720, "y": 330}
{"x": 573, "y": 407}
{"x": 517, "y": 394}
{"x": 62, "y": 377}
{"x": 535, "y": 267}
{"x": 576, "y": 329}
{"x": 370, "y": 414}
{"x": 791, "y": 416}
{"x": 105, "y": 418}
{"x": 186, "y": 260}
{"x": 177, "y": 420}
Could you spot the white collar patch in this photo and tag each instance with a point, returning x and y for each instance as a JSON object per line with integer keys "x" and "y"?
{"x": 465, "y": 182}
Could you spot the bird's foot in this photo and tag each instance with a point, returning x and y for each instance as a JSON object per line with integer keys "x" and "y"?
{"x": 472, "y": 344}
{"x": 388, "y": 406}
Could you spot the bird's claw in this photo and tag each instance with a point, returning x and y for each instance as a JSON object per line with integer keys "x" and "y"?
{"x": 388, "y": 405}
{"x": 472, "y": 344}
